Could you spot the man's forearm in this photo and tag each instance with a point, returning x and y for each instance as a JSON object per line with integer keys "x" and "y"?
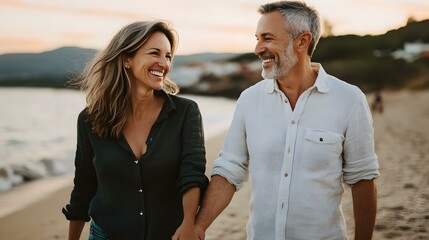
{"x": 218, "y": 195}
{"x": 364, "y": 195}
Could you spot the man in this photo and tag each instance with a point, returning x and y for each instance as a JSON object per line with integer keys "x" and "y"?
{"x": 300, "y": 133}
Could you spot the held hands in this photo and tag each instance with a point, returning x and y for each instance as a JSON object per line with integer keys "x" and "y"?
{"x": 200, "y": 232}
{"x": 188, "y": 231}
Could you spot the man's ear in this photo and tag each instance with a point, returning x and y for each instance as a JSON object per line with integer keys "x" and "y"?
{"x": 303, "y": 41}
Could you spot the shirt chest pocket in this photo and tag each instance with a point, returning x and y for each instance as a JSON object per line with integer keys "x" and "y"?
{"x": 322, "y": 148}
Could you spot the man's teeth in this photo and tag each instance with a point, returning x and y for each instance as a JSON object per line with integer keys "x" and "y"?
{"x": 267, "y": 60}
{"x": 156, "y": 73}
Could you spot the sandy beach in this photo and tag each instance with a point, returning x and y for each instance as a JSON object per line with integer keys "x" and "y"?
{"x": 33, "y": 210}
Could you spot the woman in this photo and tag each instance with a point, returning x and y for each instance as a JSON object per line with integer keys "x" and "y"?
{"x": 140, "y": 157}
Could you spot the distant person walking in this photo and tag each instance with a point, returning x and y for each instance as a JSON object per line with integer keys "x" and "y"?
{"x": 377, "y": 104}
{"x": 140, "y": 157}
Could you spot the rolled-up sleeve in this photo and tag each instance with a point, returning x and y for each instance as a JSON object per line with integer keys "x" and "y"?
{"x": 360, "y": 160}
{"x": 85, "y": 181}
{"x": 233, "y": 160}
{"x": 193, "y": 159}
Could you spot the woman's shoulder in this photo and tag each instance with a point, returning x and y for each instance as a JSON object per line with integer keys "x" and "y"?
{"x": 83, "y": 115}
{"x": 182, "y": 101}
{"x": 83, "y": 118}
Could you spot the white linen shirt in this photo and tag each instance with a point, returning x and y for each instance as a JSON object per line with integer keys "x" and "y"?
{"x": 298, "y": 159}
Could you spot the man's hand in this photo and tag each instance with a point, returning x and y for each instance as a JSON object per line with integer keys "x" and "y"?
{"x": 218, "y": 195}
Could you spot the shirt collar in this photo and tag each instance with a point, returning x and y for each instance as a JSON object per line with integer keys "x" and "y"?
{"x": 322, "y": 78}
{"x": 168, "y": 106}
{"x": 320, "y": 83}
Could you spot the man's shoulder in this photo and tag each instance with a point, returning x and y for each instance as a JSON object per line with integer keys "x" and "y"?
{"x": 339, "y": 86}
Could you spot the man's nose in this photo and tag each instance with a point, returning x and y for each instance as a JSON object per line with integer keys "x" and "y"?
{"x": 259, "y": 48}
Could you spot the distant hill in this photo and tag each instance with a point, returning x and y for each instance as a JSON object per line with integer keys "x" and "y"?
{"x": 352, "y": 58}
{"x": 56, "y": 62}
{"x": 51, "y": 68}
{"x": 349, "y": 57}
{"x": 353, "y": 46}
{"x": 54, "y": 68}
{"x": 181, "y": 60}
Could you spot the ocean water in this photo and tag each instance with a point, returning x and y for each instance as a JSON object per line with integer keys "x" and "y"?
{"x": 38, "y": 130}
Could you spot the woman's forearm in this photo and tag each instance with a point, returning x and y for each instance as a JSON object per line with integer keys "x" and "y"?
{"x": 191, "y": 199}
{"x": 75, "y": 229}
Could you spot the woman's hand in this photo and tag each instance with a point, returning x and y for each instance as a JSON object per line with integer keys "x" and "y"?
{"x": 186, "y": 231}
{"x": 201, "y": 234}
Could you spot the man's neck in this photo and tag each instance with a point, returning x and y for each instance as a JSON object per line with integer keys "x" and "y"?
{"x": 301, "y": 78}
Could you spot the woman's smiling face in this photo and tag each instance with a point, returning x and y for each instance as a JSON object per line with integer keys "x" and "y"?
{"x": 152, "y": 62}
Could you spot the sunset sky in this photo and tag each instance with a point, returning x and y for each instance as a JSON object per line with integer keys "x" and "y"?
{"x": 203, "y": 26}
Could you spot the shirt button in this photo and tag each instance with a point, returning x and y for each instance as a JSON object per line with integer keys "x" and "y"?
{"x": 321, "y": 139}
{"x": 285, "y": 100}
{"x": 136, "y": 161}
{"x": 150, "y": 139}
{"x": 140, "y": 190}
{"x": 286, "y": 174}
{"x": 293, "y": 122}
{"x": 141, "y": 213}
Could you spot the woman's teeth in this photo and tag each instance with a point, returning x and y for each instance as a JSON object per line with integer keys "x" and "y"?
{"x": 156, "y": 73}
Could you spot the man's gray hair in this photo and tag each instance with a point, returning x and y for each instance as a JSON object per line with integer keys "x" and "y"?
{"x": 299, "y": 18}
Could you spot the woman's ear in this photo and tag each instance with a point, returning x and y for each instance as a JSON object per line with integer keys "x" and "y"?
{"x": 127, "y": 63}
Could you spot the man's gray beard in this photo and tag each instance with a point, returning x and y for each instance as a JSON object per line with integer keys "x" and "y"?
{"x": 282, "y": 68}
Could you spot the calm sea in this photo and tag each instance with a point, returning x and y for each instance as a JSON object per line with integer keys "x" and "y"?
{"x": 38, "y": 130}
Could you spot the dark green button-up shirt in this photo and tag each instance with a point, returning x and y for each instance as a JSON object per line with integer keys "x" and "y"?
{"x": 133, "y": 198}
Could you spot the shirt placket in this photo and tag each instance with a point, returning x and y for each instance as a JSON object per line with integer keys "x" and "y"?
{"x": 140, "y": 163}
{"x": 292, "y": 119}
{"x": 140, "y": 189}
